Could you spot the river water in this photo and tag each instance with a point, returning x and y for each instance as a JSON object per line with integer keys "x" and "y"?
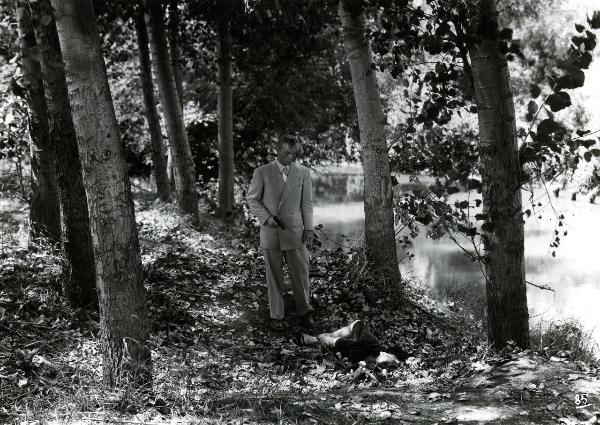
{"x": 574, "y": 273}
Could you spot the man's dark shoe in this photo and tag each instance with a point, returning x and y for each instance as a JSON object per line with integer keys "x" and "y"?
{"x": 277, "y": 325}
{"x": 307, "y": 321}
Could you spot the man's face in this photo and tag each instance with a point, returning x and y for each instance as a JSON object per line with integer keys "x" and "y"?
{"x": 287, "y": 154}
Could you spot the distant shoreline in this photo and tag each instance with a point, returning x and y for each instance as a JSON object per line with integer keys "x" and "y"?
{"x": 345, "y": 169}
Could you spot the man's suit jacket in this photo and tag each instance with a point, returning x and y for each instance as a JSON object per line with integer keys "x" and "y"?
{"x": 291, "y": 202}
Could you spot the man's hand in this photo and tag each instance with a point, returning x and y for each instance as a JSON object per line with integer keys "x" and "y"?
{"x": 271, "y": 222}
{"x": 307, "y": 237}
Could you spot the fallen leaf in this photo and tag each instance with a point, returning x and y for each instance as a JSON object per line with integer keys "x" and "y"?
{"x": 463, "y": 397}
{"x": 385, "y": 415}
{"x": 434, "y": 396}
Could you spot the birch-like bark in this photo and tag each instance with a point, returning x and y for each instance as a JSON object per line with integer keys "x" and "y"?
{"x": 379, "y": 213}
{"x": 123, "y": 311}
{"x": 500, "y": 174}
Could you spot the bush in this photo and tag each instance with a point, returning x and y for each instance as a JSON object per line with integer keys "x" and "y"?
{"x": 566, "y": 338}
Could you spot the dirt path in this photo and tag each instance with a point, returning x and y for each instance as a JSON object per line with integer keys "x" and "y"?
{"x": 261, "y": 376}
{"x": 216, "y": 360}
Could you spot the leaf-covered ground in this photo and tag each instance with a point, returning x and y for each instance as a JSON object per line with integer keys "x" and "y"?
{"x": 217, "y": 361}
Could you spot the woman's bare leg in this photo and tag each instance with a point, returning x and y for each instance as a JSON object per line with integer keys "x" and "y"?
{"x": 330, "y": 337}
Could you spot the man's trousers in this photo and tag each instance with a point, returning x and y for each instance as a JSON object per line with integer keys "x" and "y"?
{"x": 297, "y": 261}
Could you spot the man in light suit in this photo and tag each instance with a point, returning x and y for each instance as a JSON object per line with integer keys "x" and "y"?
{"x": 280, "y": 196}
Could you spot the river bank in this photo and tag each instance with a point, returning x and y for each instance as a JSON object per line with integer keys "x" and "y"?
{"x": 216, "y": 360}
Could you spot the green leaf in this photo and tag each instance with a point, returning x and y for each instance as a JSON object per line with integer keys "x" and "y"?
{"x": 587, "y": 156}
{"x": 590, "y": 42}
{"x": 595, "y": 152}
{"x": 474, "y": 184}
{"x": 546, "y": 126}
{"x": 573, "y": 80}
{"x": 487, "y": 227}
{"x": 594, "y": 22}
{"x": 532, "y": 107}
{"x": 558, "y": 101}
{"x": 577, "y": 79}
{"x": 583, "y": 61}
{"x": 577, "y": 40}
{"x": 587, "y": 143}
{"x": 579, "y": 27}
{"x": 535, "y": 90}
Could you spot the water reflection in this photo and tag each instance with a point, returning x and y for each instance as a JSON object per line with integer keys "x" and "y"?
{"x": 574, "y": 273}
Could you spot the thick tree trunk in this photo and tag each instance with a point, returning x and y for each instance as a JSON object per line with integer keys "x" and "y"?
{"x": 123, "y": 311}
{"x": 159, "y": 160}
{"x": 379, "y": 215}
{"x": 80, "y": 287}
{"x": 500, "y": 172}
{"x": 225, "y": 116}
{"x": 185, "y": 174}
{"x": 44, "y": 203}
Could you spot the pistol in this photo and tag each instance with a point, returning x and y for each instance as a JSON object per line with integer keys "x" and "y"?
{"x": 278, "y": 221}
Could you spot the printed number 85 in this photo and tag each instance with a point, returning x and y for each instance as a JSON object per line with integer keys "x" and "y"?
{"x": 581, "y": 399}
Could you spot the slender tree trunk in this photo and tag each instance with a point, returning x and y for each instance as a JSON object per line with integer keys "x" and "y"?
{"x": 171, "y": 169}
{"x": 500, "y": 172}
{"x": 173, "y": 35}
{"x": 123, "y": 311}
{"x": 185, "y": 174}
{"x": 80, "y": 287}
{"x": 379, "y": 214}
{"x": 225, "y": 116}
{"x": 44, "y": 203}
{"x": 158, "y": 150}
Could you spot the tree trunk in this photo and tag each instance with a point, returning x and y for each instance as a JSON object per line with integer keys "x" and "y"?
{"x": 379, "y": 214}
{"x": 173, "y": 37}
{"x": 225, "y": 116}
{"x": 185, "y": 174}
{"x": 158, "y": 150}
{"x": 44, "y": 203}
{"x": 500, "y": 174}
{"x": 123, "y": 311}
{"x": 173, "y": 30}
{"x": 80, "y": 287}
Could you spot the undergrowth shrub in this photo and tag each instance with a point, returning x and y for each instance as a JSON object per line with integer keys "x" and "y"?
{"x": 469, "y": 297}
{"x": 567, "y": 338}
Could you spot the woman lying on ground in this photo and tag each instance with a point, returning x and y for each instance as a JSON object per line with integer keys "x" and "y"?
{"x": 357, "y": 343}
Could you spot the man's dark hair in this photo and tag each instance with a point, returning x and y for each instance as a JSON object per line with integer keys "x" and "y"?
{"x": 289, "y": 140}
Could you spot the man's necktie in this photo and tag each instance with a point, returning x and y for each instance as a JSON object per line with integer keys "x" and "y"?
{"x": 286, "y": 170}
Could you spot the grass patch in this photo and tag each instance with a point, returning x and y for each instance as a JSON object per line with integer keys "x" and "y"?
{"x": 566, "y": 338}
